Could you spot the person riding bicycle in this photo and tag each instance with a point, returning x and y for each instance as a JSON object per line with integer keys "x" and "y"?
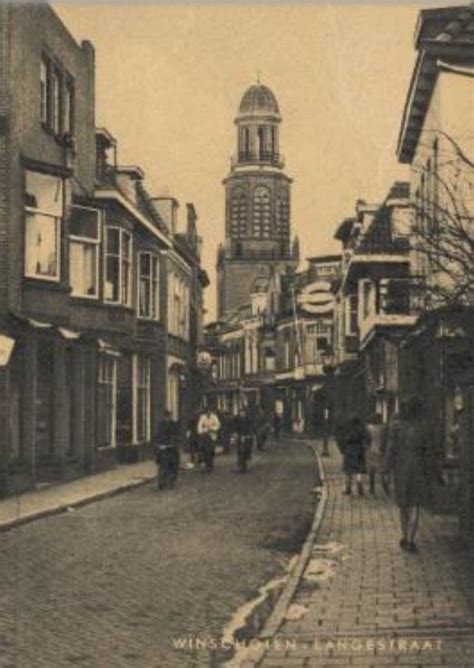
{"x": 208, "y": 430}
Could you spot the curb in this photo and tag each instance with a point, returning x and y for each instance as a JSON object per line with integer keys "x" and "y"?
{"x": 62, "y": 508}
{"x": 277, "y": 616}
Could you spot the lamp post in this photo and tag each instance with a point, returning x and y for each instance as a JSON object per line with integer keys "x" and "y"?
{"x": 328, "y": 370}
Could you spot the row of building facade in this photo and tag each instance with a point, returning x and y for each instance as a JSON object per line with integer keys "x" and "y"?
{"x": 101, "y": 288}
{"x": 388, "y": 318}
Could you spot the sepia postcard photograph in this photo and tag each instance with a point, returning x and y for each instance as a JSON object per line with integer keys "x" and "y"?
{"x": 237, "y": 334}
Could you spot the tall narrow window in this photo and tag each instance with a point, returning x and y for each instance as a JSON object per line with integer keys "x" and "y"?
{"x": 261, "y": 143}
{"x": 148, "y": 297}
{"x": 282, "y": 214}
{"x": 68, "y": 111}
{"x": 261, "y": 213}
{"x": 246, "y": 143}
{"x": 106, "y": 401}
{"x": 44, "y": 86}
{"x": 238, "y": 214}
{"x": 142, "y": 397}
{"x": 274, "y": 148}
{"x": 84, "y": 247}
{"x": 44, "y": 210}
{"x": 56, "y": 102}
{"x": 118, "y": 266}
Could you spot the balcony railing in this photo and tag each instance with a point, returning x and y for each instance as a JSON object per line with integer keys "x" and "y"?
{"x": 251, "y": 157}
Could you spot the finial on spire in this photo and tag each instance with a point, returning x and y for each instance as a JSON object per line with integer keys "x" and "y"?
{"x": 258, "y": 76}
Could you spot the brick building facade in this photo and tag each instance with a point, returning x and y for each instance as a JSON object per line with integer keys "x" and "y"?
{"x": 84, "y": 273}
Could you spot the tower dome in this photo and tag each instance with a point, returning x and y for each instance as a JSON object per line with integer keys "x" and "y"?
{"x": 258, "y": 100}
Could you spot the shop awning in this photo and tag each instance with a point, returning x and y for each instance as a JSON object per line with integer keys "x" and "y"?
{"x": 68, "y": 334}
{"x": 107, "y": 349}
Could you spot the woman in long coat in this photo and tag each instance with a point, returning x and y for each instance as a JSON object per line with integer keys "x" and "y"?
{"x": 354, "y": 439}
{"x": 406, "y": 457}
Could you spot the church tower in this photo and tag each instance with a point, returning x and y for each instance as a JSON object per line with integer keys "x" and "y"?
{"x": 257, "y": 204}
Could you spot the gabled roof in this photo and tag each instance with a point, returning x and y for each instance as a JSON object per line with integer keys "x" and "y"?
{"x": 445, "y": 34}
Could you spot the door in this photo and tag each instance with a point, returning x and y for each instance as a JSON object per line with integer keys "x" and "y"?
{"x": 44, "y": 426}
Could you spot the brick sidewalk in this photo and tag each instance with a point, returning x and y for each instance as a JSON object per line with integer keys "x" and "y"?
{"x": 364, "y": 602}
{"x": 57, "y": 498}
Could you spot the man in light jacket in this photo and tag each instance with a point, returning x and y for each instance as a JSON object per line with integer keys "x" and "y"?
{"x": 208, "y": 430}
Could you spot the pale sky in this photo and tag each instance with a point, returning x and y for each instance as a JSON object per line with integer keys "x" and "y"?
{"x": 169, "y": 80}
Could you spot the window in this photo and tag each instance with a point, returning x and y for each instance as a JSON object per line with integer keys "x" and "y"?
{"x": 118, "y": 266}
{"x": 56, "y": 101}
{"x": 106, "y": 401}
{"x": 322, "y": 343}
{"x": 351, "y": 315}
{"x": 68, "y": 110}
{"x": 282, "y": 214}
{"x": 44, "y": 86}
{"x": 84, "y": 249}
{"x": 44, "y": 210}
{"x": 238, "y": 214}
{"x": 148, "y": 286}
{"x": 178, "y": 305}
{"x": 261, "y": 213}
{"x": 142, "y": 398}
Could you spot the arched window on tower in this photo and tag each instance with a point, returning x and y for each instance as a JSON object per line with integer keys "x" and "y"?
{"x": 282, "y": 215}
{"x": 238, "y": 214}
{"x": 246, "y": 143}
{"x": 261, "y": 143}
{"x": 274, "y": 147}
{"x": 261, "y": 213}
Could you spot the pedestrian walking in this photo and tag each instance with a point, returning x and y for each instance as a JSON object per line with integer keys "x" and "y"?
{"x": 167, "y": 452}
{"x": 353, "y": 442}
{"x": 277, "y": 423}
{"x": 262, "y": 429}
{"x": 406, "y": 456}
{"x": 208, "y": 432}
{"x": 192, "y": 438}
{"x": 227, "y": 421}
{"x": 245, "y": 430}
{"x": 374, "y": 456}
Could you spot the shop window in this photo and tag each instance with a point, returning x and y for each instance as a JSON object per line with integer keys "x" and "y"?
{"x": 148, "y": 286}
{"x": 118, "y": 266}
{"x": 106, "y": 401}
{"x": 84, "y": 250}
{"x": 44, "y": 210}
{"x": 143, "y": 397}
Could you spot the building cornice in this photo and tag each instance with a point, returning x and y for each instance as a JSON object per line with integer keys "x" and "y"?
{"x": 114, "y": 195}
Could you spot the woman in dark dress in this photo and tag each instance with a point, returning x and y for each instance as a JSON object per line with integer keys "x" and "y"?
{"x": 354, "y": 440}
{"x": 406, "y": 457}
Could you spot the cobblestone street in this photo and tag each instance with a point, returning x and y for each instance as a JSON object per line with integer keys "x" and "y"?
{"x": 109, "y": 585}
{"x": 376, "y": 605}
